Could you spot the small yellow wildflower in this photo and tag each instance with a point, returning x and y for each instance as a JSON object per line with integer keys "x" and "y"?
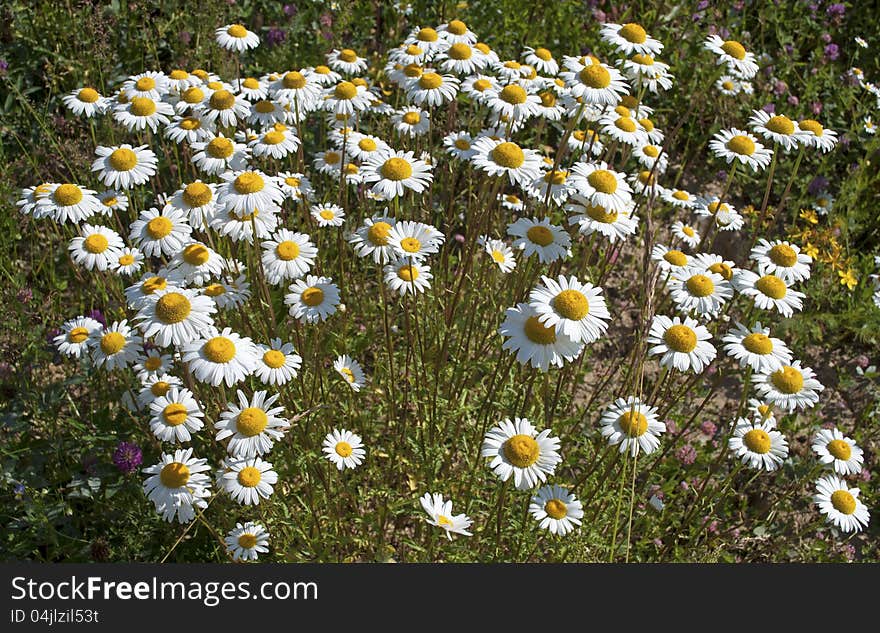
{"x": 808, "y": 215}
{"x": 848, "y": 278}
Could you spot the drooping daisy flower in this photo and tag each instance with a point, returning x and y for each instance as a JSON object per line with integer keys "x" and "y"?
{"x": 407, "y": 276}
{"x": 124, "y": 166}
{"x": 518, "y": 450}
{"x": 287, "y": 256}
{"x": 755, "y": 348}
{"x": 344, "y": 449}
{"x": 769, "y": 292}
{"x": 236, "y": 38}
{"x": 778, "y": 129}
{"x": 814, "y": 135}
{"x": 277, "y": 363}
{"x": 114, "y": 346}
{"x": 86, "y": 102}
{"x": 395, "y": 172}
{"x": 246, "y": 541}
{"x": 175, "y": 416}
{"x": 178, "y": 484}
{"x": 534, "y": 343}
{"x": 686, "y": 233}
{"x": 222, "y": 357}
{"x": 790, "y": 387}
{"x": 498, "y": 157}
{"x": 699, "y": 290}
{"x": 783, "y": 259}
{"x": 633, "y": 425}
{"x": 541, "y": 59}
{"x": 414, "y": 240}
{"x": 841, "y": 504}
{"x": 758, "y": 444}
{"x": 312, "y": 299}
{"x": 351, "y": 371}
{"x": 556, "y": 510}
{"x": 591, "y": 218}
{"x": 176, "y": 316}
{"x": 739, "y": 61}
{"x": 96, "y": 247}
{"x": 576, "y": 310}
{"x": 739, "y": 145}
{"x": 74, "y": 339}
{"x": 838, "y": 452}
{"x": 684, "y": 345}
{"x": 248, "y": 480}
{"x": 440, "y": 515}
{"x": 501, "y": 254}
{"x": 371, "y": 239}
{"x": 534, "y": 236}
{"x": 602, "y": 186}
{"x": 253, "y": 426}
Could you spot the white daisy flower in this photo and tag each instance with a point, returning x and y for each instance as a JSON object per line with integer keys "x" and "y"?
{"x": 177, "y": 484}
{"x": 518, "y": 450}
{"x": 312, "y": 299}
{"x": 576, "y": 310}
{"x": 74, "y": 339}
{"x": 838, "y": 452}
{"x": 128, "y": 262}
{"x": 346, "y": 98}
{"x": 411, "y": 122}
{"x": 602, "y": 186}
{"x": 344, "y": 449}
{"x": 556, "y": 510}
{"x": 351, "y": 371}
{"x": 534, "y": 236}
{"x": 287, "y": 256}
{"x": 840, "y": 504}
{"x": 406, "y": 275}
{"x": 176, "y": 416}
{"x": 86, "y": 102}
{"x": 814, "y": 135}
{"x": 684, "y": 345}
{"x": 246, "y": 541}
{"x": 247, "y": 191}
{"x": 346, "y": 61}
{"x": 440, "y": 515}
{"x": 498, "y": 157}
{"x": 414, "y": 240}
{"x": 175, "y": 316}
{"x": 225, "y": 108}
{"x": 432, "y": 89}
{"x": 395, "y": 172}
{"x": 592, "y": 218}
{"x": 114, "y": 346}
{"x": 156, "y": 385}
{"x": 541, "y": 59}
{"x": 236, "y": 38}
{"x": 686, "y": 233}
{"x": 534, "y": 343}
{"x": 755, "y": 348}
{"x": 196, "y": 264}
{"x": 141, "y": 113}
{"x": 758, "y": 444}
{"x": 501, "y": 254}
{"x": 789, "y": 388}
{"x": 96, "y": 248}
{"x": 739, "y": 145}
{"x": 220, "y": 154}
{"x": 248, "y": 480}
{"x": 632, "y": 425}
{"x": 778, "y": 129}
{"x": 149, "y": 84}
{"x": 670, "y": 260}
{"x": 783, "y": 259}
{"x": 592, "y": 82}
{"x": 124, "y": 166}
{"x": 221, "y": 357}
{"x": 371, "y": 239}
{"x": 630, "y": 38}
{"x": 277, "y": 363}
{"x": 699, "y": 290}
{"x": 276, "y": 143}
{"x": 739, "y": 61}
{"x": 253, "y": 426}
{"x": 769, "y": 292}
{"x": 161, "y": 233}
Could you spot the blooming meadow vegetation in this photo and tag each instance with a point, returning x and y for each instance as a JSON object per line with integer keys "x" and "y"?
{"x": 424, "y": 292}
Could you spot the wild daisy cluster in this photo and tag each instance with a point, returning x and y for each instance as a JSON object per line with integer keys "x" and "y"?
{"x": 205, "y": 264}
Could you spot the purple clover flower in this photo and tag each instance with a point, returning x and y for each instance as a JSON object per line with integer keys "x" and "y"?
{"x": 127, "y": 457}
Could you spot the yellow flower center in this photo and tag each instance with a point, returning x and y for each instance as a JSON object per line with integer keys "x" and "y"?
{"x": 722, "y": 269}
{"x": 153, "y": 363}
{"x": 481, "y": 85}
{"x": 548, "y": 99}
{"x": 123, "y": 159}
{"x": 378, "y": 233}
{"x": 462, "y": 144}
{"x": 331, "y": 158}
{"x": 88, "y": 95}
{"x": 460, "y": 51}
{"x": 811, "y": 125}
{"x": 727, "y": 85}
{"x": 521, "y": 450}
{"x": 595, "y": 76}
{"x": 95, "y": 243}
{"x": 312, "y": 296}
{"x": 700, "y": 285}
{"x": 264, "y": 107}
{"x": 345, "y": 90}
{"x": 513, "y": 94}
{"x": 110, "y": 201}
{"x": 160, "y": 388}
{"x": 343, "y": 449}
{"x": 249, "y": 476}
{"x": 173, "y": 307}
{"x": 410, "y": 244}
{"x": 633, "y": 32}
{"x": 215, "y": 290}
{"x": 274, "y": 359}
{"x": 219, "y": 349}
{"x": 408, "y": 273}
{"x": 556, "y": 509}
{"x": 287, "y": 250}
{"x": 322, "y": 70}
{"x": 780, "y": 124}
{"x": 196, "y": 254}
{"x": 512, "y": 199}
{"x": 633, "y": 423}
{"x": 680, "y": 338}
{"x": 159, "y": 227}
{"x": 741, "y": 144}
{"x": 676, "y": 258}
{"x": 603, "y": 181}
{"x": 839, "y": 449}
{"x": 626, "y": 124}
{"x": 512, "y": 64}
{"x": 190, "y": 123}
{"x": 411, "y": 118}
{"x": 771, "y": 286}
{"x": 646, "y": 178}
{"x": 413, "y": 50}
{"x": 788, "y": 380}
{"x": 112, "y": 343}
{"x": 273, "y": 137}
{"x": 251, "y": 421}
{"x": 247, "y": 541}
{"x": 540, "y": 235}
{"x": 681, "y": 195}
{"x": 347, "y": 374}
{"x": 222, "y": 100}
{"x": 508, "y": 155}
{"x": 599, "y": 214}
{"x": 543, "y": 54}
{"x": 193, "y": 95}
{"x": 444, "y": 520}
{"x": 174, "y": 414}
{"x": 412, "y": 70}
{"x": 220, "y": 147}
{"x": 783, "y": 255}
{"x": 250, "y": 83}
{"x": 429, "y": 81}
{"x": 327, "y": 214}
{"x": 198, "y": 194}
{"x": 367, "y": 144}
{"x": 456, "y": 27}
{"x": 153, "y": 284}
{"x": 174, "y": 475}
{"x": 571, "y": 304}
{"x": 538, "y": 333}
{"x": 557, "y": 177}
{"x": 643, "y": 60}
{"x": 765, "y": 410}
{"x": 758, "y": 343}
{"x": 67, "y": 195}
{"x": 237, "y": 30}
{"x": 396, "y": 169}
{"x": 734, "y": 49}
{"x": 248, "y": 182}
{"x": 843, "y": 501}
{"x": 292, "y": 181}
{"x": 141, "y": 106}
{"x": 427, "y": 35}
{"x": 348, "y": 56}
{"x": 293, "y": 80}
{"x": 647, "y": 124}
{"x": 77, "y": 335}
{"x": 688, "y": 231}
{"x": 145, "y": 84}
{"x": 498, "y": 256}
{"x": 757, "y": 441}
{"x": 651, "y": 150}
